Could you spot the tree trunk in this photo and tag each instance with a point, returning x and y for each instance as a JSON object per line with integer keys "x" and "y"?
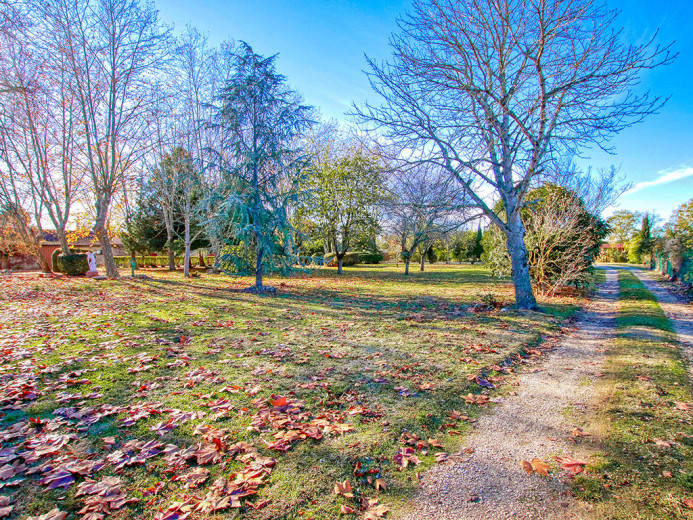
{"x": 202, "y": 259}
{"x": 4, "y": 261}
{"x": 186, "y": 266}
{"x": 340, "y": 261}
{"x": 423, "y": 259}
{"x": 62, "y": 239}
{"x": 406, "y": 266}
{"x": 171, "y": 258}
{"x": 258, "y": 268}
{"x": 515, "y": 240}
{"x": 107, "y": 252}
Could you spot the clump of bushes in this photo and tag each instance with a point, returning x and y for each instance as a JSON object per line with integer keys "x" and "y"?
{"x": 73, "y": 264}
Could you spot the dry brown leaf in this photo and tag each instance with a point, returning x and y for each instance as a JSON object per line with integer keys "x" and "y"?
{"x": 346, "y": 510}
{"x": 569, "y": 463}
{"x": 527, "y": 466}
{"x": 380, "y": 484}
{"x": 540, "y": 467}
{"x": 344, "y": 489}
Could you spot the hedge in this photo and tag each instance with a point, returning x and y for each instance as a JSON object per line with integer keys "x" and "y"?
{"x": 355, "y": 257}
{"x": 74, "y": 264}
{"x": 159, "y": 261}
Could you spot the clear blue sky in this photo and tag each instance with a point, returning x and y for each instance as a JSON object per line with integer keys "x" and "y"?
{"x": 321, "y": 46}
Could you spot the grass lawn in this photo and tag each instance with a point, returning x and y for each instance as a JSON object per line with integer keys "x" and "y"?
{"x": 168, "y": 397}
{"x": 645, "y": 468}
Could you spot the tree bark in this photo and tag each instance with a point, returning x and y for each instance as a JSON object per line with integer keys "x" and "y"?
{"x": 171, "y": 254}
{"x": 202, "y": 259}
{"x": 340, "y": 261}
{"x": 515, "y": 240}
{"x": 62, "y": 239}
{"x": 406, "y": 266}
{"x": 258, "y": 268}
{"x": 186, "y": 266}
{"x": 423, "y": 259}
{"x": 107, "y": 251}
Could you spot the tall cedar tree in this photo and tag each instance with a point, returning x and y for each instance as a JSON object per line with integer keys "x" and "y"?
{"x": 259, "y": 122}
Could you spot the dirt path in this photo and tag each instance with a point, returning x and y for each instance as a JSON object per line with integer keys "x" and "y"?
{"x": 678, "y": 310}
{"x": 490, "y": 483}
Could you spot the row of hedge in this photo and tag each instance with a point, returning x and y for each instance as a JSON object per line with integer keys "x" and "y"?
{"x": 354, "y": 258}
{"x": 160, "y": 261}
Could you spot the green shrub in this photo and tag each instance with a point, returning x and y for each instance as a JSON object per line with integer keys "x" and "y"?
{"x": 431, "y": 256}
{"x": 371, "y": 258}
{"x": 350, "y": 259}
{"x": 74, "y": 264}
{"x": 55, "y": 261}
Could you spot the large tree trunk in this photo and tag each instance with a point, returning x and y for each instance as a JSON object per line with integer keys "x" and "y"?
{"x": 515, "y": 240}
{"x": 202, "y": 259}
{"x": 423, "y": 259}
{"x": 62, "y": 239}
{"x": 107, "y": 252}
{"x": 406, "y": 266}
{"x": 102, "y": 235}
{"x": 340, "y": 261}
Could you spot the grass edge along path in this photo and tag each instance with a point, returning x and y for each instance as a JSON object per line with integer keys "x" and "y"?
{"x": 644, "y": 467}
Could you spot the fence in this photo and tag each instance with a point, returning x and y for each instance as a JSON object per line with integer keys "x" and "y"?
{"x": 663, "y": 263}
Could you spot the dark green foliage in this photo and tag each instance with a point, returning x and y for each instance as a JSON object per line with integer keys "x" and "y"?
{"x": 74, "y": 264}
{"x": 468, "y": 246}
{"x": 431, "y": 256}
{"x": 371, "y": 258}
{"x": 355, "y": 257}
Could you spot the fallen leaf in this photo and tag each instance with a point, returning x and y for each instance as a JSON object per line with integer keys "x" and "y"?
{"x": 344, "y": 489}
{"x": 569, "y": 463}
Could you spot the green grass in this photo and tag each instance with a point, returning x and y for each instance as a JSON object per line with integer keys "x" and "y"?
{"x": 406, "y": 349}
{"x": 637, "y": 476}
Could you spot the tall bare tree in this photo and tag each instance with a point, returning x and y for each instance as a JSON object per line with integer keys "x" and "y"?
{"x": 37, "y": 132}
{"x": 494, "y": 91}
{"x": 112, "y": 50}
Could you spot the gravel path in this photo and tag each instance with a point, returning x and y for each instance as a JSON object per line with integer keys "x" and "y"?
{"x": 490, "y": 484}
{"x": 678, "y": 310}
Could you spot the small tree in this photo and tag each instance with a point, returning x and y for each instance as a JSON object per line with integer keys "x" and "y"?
{"x": 259, "y": 121}
{"x": 623, "y": 225}
{"x": 343, "y": 187}
{"x": 646, "y": 242}
{"x": 424, "y": 204}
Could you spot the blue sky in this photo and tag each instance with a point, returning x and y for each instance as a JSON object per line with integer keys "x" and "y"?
{"x": 321, "y": 46}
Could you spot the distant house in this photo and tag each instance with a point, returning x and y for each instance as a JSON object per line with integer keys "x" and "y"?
{"x": 50, "y": 243}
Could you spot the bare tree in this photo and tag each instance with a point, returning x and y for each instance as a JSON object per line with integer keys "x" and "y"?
{"x": 37, "y": 134}
{"x": 424, "y": 204}
{"x": 112, "y": 49}
{"x": 494, "y": 91}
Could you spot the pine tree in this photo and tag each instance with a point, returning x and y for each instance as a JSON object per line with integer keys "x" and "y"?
{"x": 258, "y": 122}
